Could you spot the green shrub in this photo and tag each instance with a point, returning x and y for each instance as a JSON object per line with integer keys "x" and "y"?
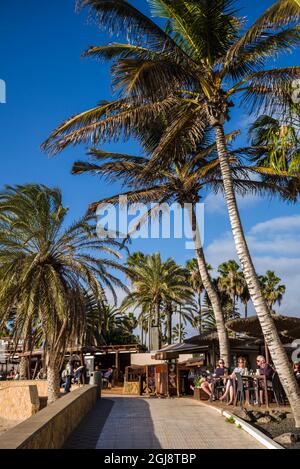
{"x": 230, "y": 420}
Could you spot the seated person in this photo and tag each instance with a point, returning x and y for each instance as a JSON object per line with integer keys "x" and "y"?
{"x": 217, "y": 376}
{"x": 107, "y": 377}
{"x": 296, "y": 368}
{"x": 242, "y": 370}
{"x": 264, "y": 369}
{"x": 41, "y": 374}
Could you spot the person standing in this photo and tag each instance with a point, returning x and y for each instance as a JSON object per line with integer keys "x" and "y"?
{"x": 68, "y": 376}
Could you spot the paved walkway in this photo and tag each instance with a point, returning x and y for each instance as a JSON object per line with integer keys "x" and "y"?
{"x": 125, "y": 422}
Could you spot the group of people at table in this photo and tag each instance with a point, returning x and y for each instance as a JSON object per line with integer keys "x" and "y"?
{"x": 227, "y": 381}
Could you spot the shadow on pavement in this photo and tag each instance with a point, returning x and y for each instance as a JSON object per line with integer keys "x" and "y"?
{"x": 88, "y": 432}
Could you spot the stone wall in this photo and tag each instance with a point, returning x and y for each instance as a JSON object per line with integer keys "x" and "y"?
{"x": 42, "y": 385}
{"x": 50, "y": 428}
{"x": 18, "y": 403}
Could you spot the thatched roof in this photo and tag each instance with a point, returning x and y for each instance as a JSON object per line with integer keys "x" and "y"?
{"x": 207, "y": 338}
{"x": 251, "y": 326}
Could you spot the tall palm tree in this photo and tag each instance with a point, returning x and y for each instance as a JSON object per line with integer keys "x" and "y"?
{"x": 230, "y": 280}
{"x": 156, "y": 284}
{"x": 46, "y": 268}
{"x": 243, "y": 293}
{"x": 273, "y": 290}
{"x": 182, "y": 182}
{"x": 117, "y": 327}
{"x": 197, "y": 285}
{"x": 193, "y": 70}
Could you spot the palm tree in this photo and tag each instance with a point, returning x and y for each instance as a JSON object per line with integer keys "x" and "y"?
{"x": 229, "y": 312}
{"x": 243, "y": 293}
{"x": 197, "y": 286}
{"x": 276, "y": 150}
{"x": 273, "y": 291}
{"x": 178, "y": 333}
{"x": 192, "y": 71}
{"x": 156, "y": 284}
{"x": 230, "y": 280}
{"x": 44, "y": 269}
{"x": 276, "y": 143}
{"x": 182, "y": 182}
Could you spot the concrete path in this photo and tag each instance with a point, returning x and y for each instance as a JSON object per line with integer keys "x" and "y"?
{"x": 121, "y": 422}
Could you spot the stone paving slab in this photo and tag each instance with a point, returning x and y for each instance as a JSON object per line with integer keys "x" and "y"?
{"x": 126, "y": 422}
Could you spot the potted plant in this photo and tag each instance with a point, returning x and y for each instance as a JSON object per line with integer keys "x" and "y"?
{"x": 197, "y": 387}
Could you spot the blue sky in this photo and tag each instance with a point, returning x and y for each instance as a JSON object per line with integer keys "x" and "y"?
{"x": 47, "y": 81}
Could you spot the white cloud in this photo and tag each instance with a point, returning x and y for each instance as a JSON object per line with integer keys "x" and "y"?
{"x": 274, "y": 245}
{"x": 216, "y": 204}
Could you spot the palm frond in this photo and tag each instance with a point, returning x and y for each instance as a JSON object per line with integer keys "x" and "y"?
{"x": 280, "y": 14}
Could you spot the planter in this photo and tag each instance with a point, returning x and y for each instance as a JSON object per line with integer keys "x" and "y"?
{"x": 200, "y": 395}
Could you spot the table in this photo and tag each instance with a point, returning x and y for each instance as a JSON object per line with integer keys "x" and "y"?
{"x": 257, "y": 380}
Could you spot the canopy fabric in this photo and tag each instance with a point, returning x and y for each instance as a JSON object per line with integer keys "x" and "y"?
{"x": 179, "y": 348}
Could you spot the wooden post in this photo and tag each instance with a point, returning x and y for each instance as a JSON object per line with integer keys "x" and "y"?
{"x": 117, "y": 364}
{"x": 180, "y": 325}
{"x": 177, "y": 379}
{"x": 147, "y": 380}
{"x": 35, "y": 368}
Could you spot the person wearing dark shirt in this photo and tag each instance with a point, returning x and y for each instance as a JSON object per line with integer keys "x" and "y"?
{"x": 208, "y": 385}
{"x": 107, "y": 377}
{"x": 264, "y": 369}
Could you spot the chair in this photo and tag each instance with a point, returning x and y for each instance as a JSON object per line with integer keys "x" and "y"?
{"x": 277, "y": 389}
{"x": 239, "y": 391}
{"x": 243, "y": 389}
{"x": 217, "y": 389}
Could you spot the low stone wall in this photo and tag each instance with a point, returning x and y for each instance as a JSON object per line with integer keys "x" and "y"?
{"x": 18, "y": 403}
{"x": 50, "y": 428}
{"x": 42, "y": 385}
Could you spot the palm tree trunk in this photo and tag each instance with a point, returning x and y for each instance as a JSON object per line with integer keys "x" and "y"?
{"x": 269, "y": 330}
{"x": 233, "y": 306}
{"x": 200, "y": 313}
{"x": 246, "y": 310}
{"x": 53, "y": 381}
{"x": 157, "y": 314}
{"x": 23, "y": 367}
{"x": 149, "y": 330}
{"x": 211, "y": 291}
{"x": 169, "y": 325}
{"x": 180, "y": 326}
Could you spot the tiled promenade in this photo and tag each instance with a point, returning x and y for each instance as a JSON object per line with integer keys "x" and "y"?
{"x": 119, "y": 422}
